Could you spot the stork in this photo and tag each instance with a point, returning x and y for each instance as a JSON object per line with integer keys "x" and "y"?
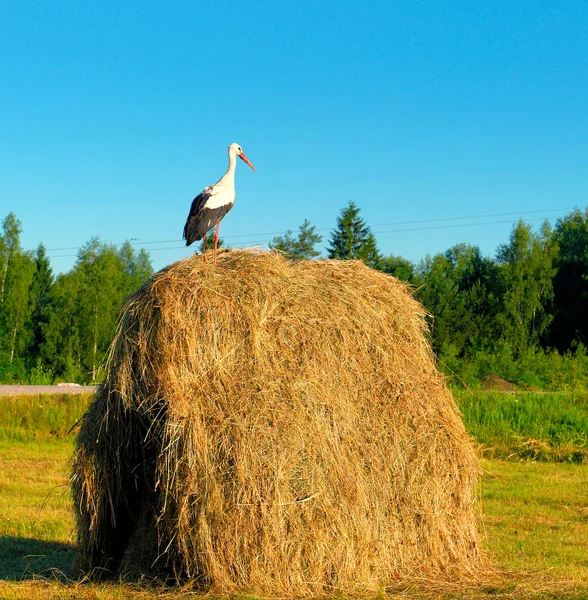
{"x": 213, "y": 203}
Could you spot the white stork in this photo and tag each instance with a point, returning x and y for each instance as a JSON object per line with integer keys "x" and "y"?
{"x": 213, "y": 203}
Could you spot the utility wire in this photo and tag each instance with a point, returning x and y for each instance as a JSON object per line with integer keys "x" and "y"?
{"x": 528, "y": 212}
{"x": 265, "y": 241}
{"x": 394, "y": 223}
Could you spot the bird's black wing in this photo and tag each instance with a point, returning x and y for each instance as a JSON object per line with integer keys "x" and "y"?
{"x": 194, "y": 225}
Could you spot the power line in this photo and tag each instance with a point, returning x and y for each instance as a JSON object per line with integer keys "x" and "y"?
{"x": 452, "y": 226}
{"x": 396, "y": 223}
{"x": 265, "y": 242}
{"x": 528, "y": 212}
{"x": 489, "y": 216}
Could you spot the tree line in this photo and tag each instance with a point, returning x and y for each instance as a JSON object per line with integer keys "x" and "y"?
{"x": 530, "y": 298}
{"x": 59, "y": 328}
{"x": 522, "y": 313}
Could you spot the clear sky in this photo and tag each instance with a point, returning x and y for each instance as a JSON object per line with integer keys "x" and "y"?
{"x": 114, "y": 115}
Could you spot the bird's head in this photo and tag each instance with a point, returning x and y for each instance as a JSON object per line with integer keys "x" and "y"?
{"x": 236, "y": 150}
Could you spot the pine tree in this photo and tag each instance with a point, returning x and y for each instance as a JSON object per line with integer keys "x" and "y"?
{"x": 210, "y": 240}
{"x": 301, "y": 247}
{"x": 39, "y": 298}
{"x": 353, "y": 239}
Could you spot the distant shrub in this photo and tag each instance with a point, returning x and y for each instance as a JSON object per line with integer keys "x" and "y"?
{"x": 40, "y": 375}
{"x": 530, "y": 370}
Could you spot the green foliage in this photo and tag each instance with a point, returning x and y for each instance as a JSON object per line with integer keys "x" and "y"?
{"x": 61, "y": 329}
{"x": 300, "y": 247}
{"x": 136, "y": 267}
{"x": 570, "y": 322}
{"x": 39, "y": 298}
{"x": 522, "y": 315}
{"x": 505, "y": 308}
{"x": 59, "y": 350}
{"x": 12, "y": 371}
{"x": 84, "y": 305}
{"x": 399, "y": 267}
{"x": 353, "y": 239}
{"x": 9, "y": 250}
{"x": 99, "y": 297}
{"x": 526, "y": 271}
{"x": 532, "y": 369}
{"x": 459, "y": 288}
{"x": 16, "y": 274}
{"x": 40, "y": 374}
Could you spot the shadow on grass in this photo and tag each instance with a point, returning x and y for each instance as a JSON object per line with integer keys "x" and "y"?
{"x": 24, "y": 558}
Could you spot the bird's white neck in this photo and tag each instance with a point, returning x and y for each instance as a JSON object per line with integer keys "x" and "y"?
{"x": 228, "y": 179}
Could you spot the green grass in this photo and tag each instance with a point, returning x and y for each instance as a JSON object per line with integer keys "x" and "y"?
{"x": 36, "y": 417}
{"x": 536, "y": 516}
{"x": 537, "y": 426}
{"x": 36, "y": 520}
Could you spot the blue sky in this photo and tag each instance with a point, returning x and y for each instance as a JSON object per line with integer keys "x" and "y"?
{"x": 114, "y": 115}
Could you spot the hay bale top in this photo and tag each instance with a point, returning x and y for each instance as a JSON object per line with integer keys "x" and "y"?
{"x": 285, "y": 431}
{"x": 263, "y": 313}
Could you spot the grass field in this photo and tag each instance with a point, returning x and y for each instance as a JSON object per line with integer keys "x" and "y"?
{"x": 539, "y": 426}
{"x": 534, "y": 515}
{"x": 37, "y": 417}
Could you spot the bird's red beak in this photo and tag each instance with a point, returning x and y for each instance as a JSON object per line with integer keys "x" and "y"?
{"x": 243, "y": 157}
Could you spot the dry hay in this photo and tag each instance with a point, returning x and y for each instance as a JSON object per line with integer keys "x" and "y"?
{"x": 277, "y": 428}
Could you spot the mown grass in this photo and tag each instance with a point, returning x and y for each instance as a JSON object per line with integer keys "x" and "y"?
{"x": 36, "y": 520}
{"x": 534, "y": 515}
{"x": 537, "y": 426}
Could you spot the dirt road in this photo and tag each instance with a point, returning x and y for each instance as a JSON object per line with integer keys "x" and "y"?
{"x": 33, "y": 390}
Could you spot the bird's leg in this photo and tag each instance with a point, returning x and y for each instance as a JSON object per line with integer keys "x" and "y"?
{"x": 216, "y": 240}
{"x": 204, "y": 247}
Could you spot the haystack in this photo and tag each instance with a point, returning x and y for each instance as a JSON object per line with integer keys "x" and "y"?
{"x": 276, "y": 428}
